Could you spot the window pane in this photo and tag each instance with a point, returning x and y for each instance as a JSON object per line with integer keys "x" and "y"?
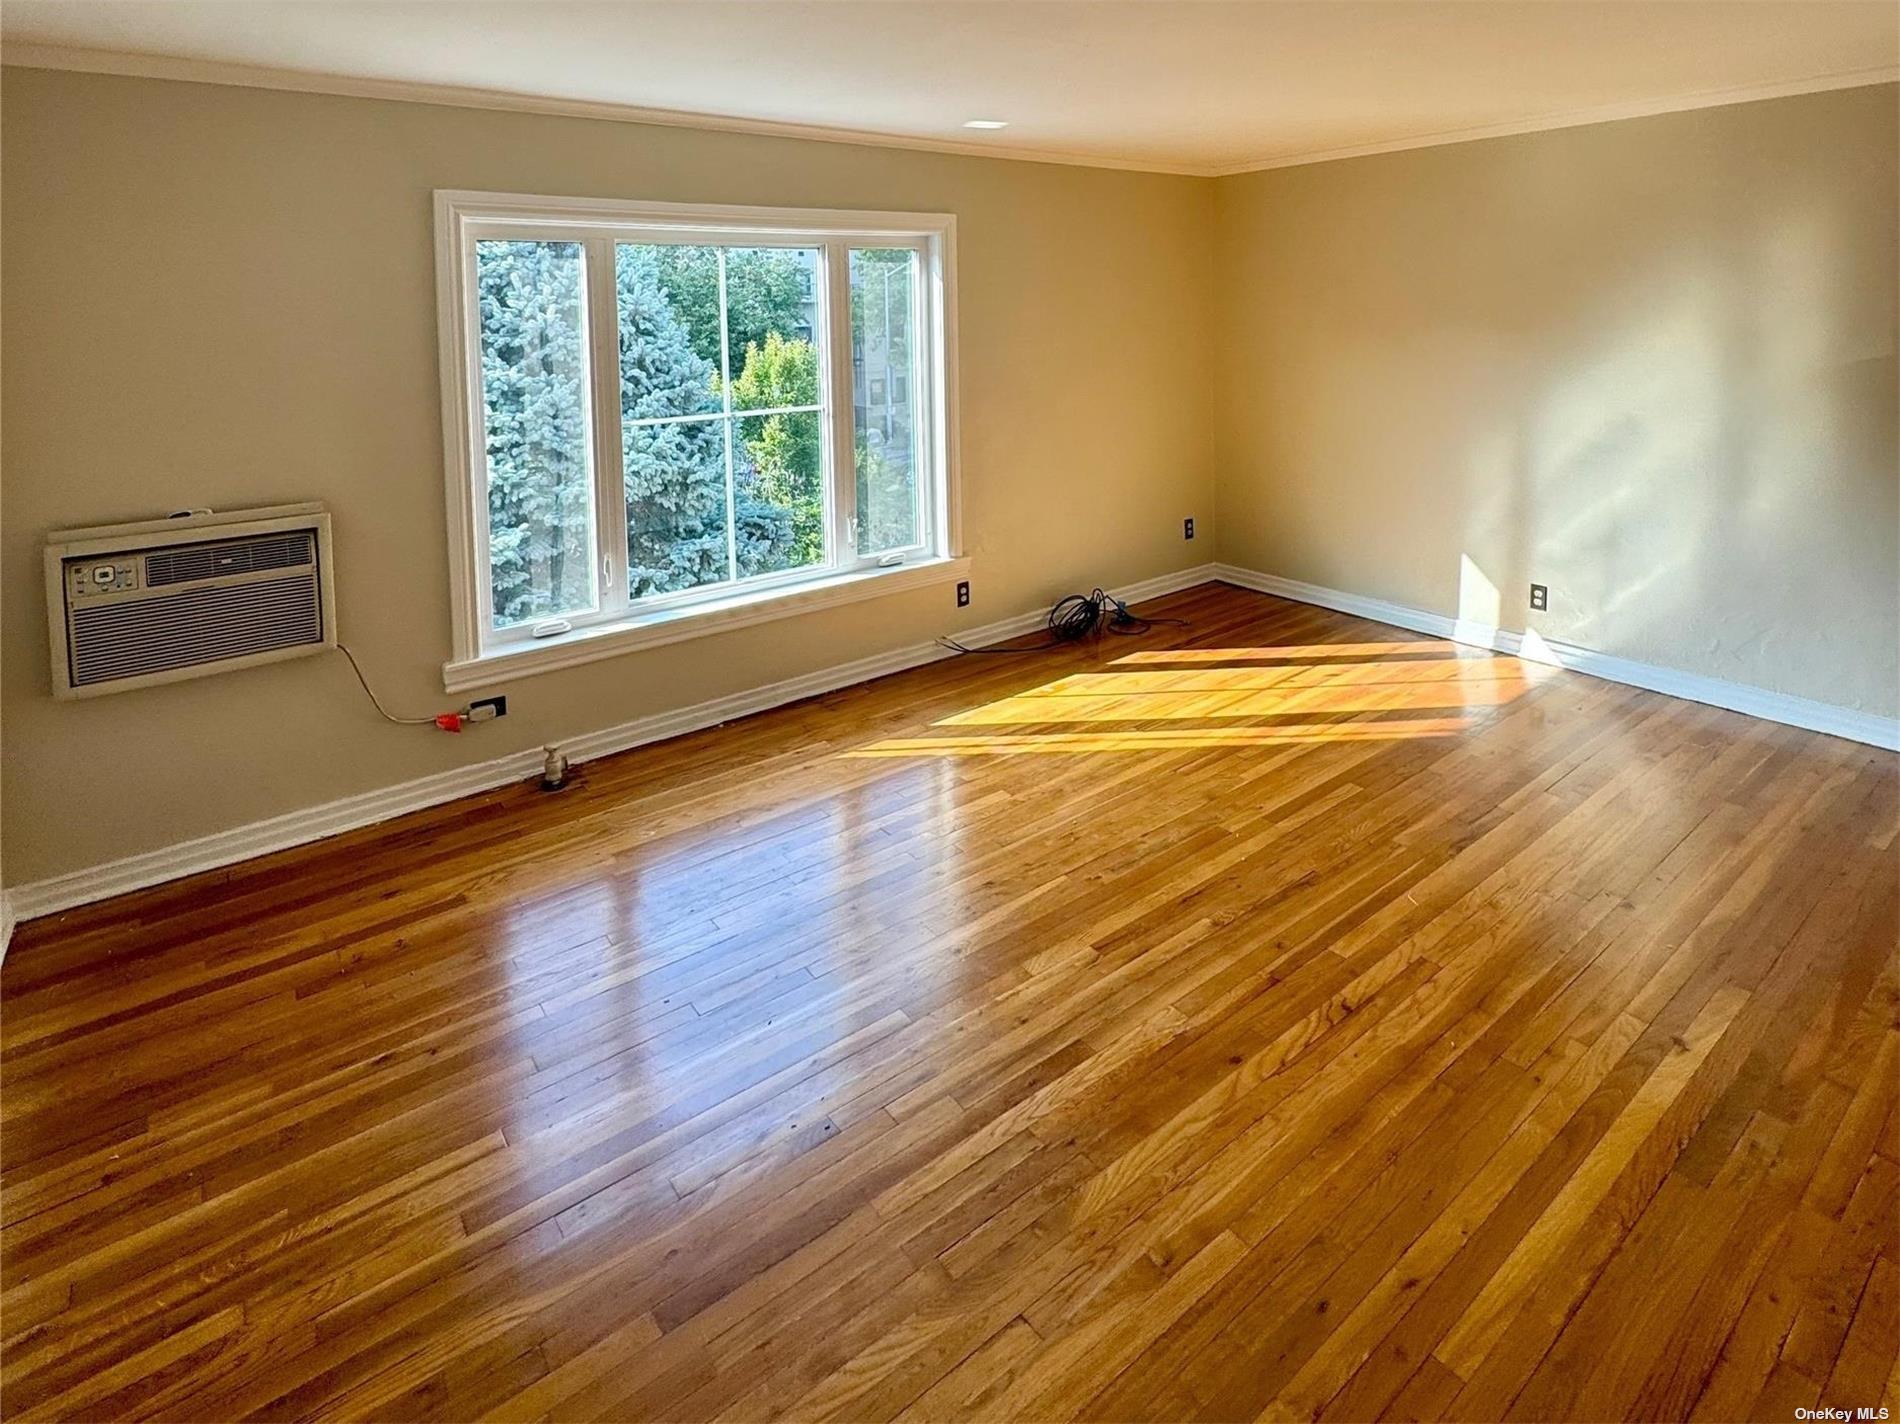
{"x": 884, "y": 387}
{"x": 778, "y": 465}
{"x": 772, "y": 336}
{"x": 534, "y": 411}
{"x": 676, "y": 505}
{"x": 674, "y": 303}
{"x": 675, "y": 472}
{"x": 772, "y": 301}
{"x": 669, "y": 329}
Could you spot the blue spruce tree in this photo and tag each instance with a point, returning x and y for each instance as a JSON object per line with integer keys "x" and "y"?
{"x": 534, "y": 388}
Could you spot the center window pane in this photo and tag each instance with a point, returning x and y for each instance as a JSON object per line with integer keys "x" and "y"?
{"x": 778, "y": 459}
{"x": 780, "y": 486}
{"x": 771, "y": 291}
{"x": 721, "y": 410}
{"x": 673, "y": 427}
{"x": 677, "y": 533}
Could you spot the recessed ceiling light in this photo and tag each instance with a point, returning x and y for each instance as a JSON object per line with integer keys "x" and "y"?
{"x": 985, "y": 124}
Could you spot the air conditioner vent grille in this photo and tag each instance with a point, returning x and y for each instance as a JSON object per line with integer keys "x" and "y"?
{"x": 160, "y": 600}
{"x": 196, "y": 625}
{"x": 187, "y": 563}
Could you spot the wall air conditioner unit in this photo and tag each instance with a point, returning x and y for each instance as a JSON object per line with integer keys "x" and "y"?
{"x": 161, "y": 600}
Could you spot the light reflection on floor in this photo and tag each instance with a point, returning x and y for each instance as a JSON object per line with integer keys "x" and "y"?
{"x": 611, "y": 1005}
{"x": 686, "y": 888}
{"x": 1238, "y": 697}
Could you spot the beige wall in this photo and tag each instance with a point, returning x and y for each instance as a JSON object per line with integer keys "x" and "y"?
{"x": 221, "y": 296}
{"x": 1650, "y": 364}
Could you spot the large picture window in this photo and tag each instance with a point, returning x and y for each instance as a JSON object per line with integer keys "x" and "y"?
{"x": 664, "y": 420}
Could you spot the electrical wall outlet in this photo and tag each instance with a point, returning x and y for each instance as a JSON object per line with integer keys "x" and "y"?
{"x": 1187, "y": 528}
{"x": 487, "y": 709}
{"x": 1540, "y": 597}
{"x": 963, "y": 593}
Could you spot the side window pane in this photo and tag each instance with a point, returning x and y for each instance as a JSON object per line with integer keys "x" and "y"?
{"x": 778, "y": 471}
{"x": 534, "y": 412}
{"x": 673, "y": 436}
{"x": 884, "y": 390}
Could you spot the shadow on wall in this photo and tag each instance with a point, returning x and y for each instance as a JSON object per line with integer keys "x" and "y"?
{"x": 1700, "y": 441}
{"x": 1169, "y": 700}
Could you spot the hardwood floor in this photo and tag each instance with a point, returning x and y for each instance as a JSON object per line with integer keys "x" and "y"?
{"x": 1278, "y": 1017}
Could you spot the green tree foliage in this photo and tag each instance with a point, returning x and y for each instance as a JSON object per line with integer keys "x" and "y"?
{"x": 781, "y": 372}
{"x": 766, "y": 291}
{"x": 783, "y": 453}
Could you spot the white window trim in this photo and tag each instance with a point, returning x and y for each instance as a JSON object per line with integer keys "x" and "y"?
{"x": 675, "y": 625}
{"x": 478, "y": 658}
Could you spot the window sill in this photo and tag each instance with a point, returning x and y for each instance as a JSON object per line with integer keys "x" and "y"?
{"x": 674, "y": 625}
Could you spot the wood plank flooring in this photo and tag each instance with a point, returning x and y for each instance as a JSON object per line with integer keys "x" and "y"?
{"x": 1277, "y": 1017}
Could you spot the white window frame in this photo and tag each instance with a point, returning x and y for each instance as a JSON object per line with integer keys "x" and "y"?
{"x": 483, "y": 655}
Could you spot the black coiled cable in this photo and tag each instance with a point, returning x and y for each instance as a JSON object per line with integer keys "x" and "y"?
{"x": 1074, "y": 617}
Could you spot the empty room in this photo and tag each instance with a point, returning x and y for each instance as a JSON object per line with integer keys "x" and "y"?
{"x": 950, "y": 710}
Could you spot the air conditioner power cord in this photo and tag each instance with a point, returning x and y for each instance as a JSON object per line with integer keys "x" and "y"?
{"x": 447, "y": 721}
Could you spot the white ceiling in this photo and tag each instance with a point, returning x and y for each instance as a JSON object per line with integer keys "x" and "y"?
{"x": 1181, "y": 85}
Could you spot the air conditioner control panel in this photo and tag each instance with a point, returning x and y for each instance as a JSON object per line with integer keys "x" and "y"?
{"x": 90, "y": 577}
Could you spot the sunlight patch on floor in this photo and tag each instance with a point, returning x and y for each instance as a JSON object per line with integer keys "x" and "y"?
{"x": 1251, "y": 697}
{"x": 1164, "y": 738}
{"x": 1443, "y": 683}
{"x": 1288, "y": 652}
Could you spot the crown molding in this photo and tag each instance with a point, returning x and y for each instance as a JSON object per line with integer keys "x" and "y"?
{"x": 300, "y": 81}
{"x": 1578, "y": 118}
{"x": 253, "y": 76}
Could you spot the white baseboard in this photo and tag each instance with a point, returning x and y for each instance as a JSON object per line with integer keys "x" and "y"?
{"x": 1793, "y": 711}
{"x": 137, "y": 872}
{"x": 45, "y": 897}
